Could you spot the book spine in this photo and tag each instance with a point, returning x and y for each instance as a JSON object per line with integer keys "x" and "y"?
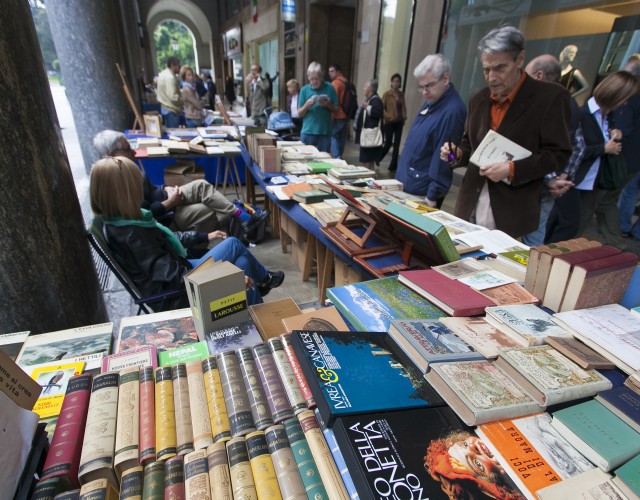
{"x": 297, "y": 371}
{"x": 166, "y": 440}
{"x": 235, "y": 396}
{"x": 127, "y": 429}
{"x": 100, "y": 430}
{"x": 219, "y": 475}
{"x": 63, "y": 458}
{"x": 202, "y": 437}
{"x": 98, "y": 489}
{"x": 182, "y": 409}
{"x": 218, "y": 417}
{"x": 257, "y": 398}
{"x": 46, "y": 489}
{"x": 296, "y": 401}
{"x": 242, "y": 483}
{"x": 304, "y": 460}
{"x": 147, "y": 424}
{"x": 264, "y": 473}
{"x": 322, "y": 456}
{"x": 131, "y": 484}
{"x": 289, "y": 481}
{"x": 174, "y": 478}
{"x": 153, "y": 482}
{"x": 196, "y": 475}
{"x": 68, "y": 495}
{"x": 276, "y": 395}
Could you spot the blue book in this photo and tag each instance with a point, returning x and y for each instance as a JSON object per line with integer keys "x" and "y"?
{"x": 359, "y": 372}
{"x": 598, "y": 434}
{"x": 370, "y": 306}
{"x": 624, "y": 402}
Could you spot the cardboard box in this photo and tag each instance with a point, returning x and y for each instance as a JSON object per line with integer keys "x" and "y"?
{"x": 344, "y": 273}
{"x": 217, "y": 296}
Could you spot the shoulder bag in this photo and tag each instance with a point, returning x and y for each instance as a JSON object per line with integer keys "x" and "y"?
{"x": 370, "y": 137}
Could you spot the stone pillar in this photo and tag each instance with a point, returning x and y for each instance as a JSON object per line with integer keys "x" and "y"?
{"x": 86, "y": 33}
{"x": 47, "y": 278}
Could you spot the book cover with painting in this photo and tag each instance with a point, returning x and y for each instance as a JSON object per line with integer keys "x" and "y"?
{"x": 234, "y": 337}
{"x": 483, "y": 336}
{"x": 164, "y": 330}
{"x": 420, "y": 453}
{"x": 525, "y": 321}
{"x": 356, "y": 372}
{"x": 371, "y": 305}
{"x": 53, "y": 378}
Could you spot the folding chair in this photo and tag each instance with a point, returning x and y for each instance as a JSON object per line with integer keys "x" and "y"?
{"x": 147, "y": 304}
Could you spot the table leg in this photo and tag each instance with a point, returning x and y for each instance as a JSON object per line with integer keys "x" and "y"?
{"x": 325, "y": 269}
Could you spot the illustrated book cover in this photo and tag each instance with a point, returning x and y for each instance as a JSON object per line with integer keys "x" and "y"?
{"x": 371, "y": 305}
{"x": 524, "y": 321}
{"x": 358, "y": 372}
{"x": 419, "y": 453}
{"x": 430, "y": 341}
{"x": 11, "y": 343}
{"x": 234, "y": 337}
{"x": 480, "y": 392}
{"x": 53, "y": 378}
{"x": 484, "y": 337}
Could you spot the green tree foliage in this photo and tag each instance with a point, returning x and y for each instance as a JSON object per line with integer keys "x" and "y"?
{"x": 43, "y": 30}
{"x": 164, "y": 36}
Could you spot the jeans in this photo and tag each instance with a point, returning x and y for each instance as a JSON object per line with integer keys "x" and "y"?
{"x": 339, "y": 137}
{"x": 392, "y": 136}
{"x": 231, "y": 250}
{"x": 192, "y": 123}
{"x": 322, "y": 142}
{"x": 536, "y": 238}
{"x": 171, "y": 119}
{"x": 627, "y": 204}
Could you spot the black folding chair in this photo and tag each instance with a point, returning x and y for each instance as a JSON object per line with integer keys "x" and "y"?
{"x": 146, "y": 304}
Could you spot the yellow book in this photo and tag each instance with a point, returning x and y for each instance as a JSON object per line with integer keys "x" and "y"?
{"x": 99, "y": 488}
{"x": 264, "y": 473}
{"x": 182, "y": 409}
{"x": 53, "y": 378}
{"x": 219, "y": 419}
{"x": 166, "y": 440}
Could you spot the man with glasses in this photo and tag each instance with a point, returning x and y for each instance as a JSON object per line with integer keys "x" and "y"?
{"x": 440, "y": 119}
{"x": 534, "y": 114}
{"x": 316, "y": 101}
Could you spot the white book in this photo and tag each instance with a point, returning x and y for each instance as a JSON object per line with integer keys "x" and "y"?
{"x": 525, "y": 321}
{"x": 496, "y": 148}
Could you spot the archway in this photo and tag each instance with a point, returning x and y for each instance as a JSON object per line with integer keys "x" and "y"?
{"x": 172, "y": 38}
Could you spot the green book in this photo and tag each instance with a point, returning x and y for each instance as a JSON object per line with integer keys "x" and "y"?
{"x": 629, "y": 474}
{"x": 597, "y": 433}
{"x": 320, "y": 167}
{"x": 312, "y": 196}
{"x": 190, "y": 352}
{"x": 436, "y": 230}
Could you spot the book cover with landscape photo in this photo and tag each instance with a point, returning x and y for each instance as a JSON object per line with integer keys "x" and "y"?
{"x": 371, "y": 305}
{"x": 357, "y": 372}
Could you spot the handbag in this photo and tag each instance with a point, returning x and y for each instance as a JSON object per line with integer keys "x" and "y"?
{"x": 612, "y": 174}
{"x": 370, "y": 137}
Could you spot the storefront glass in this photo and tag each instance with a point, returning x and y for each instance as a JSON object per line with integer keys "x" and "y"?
{"x": 394, "y": 39}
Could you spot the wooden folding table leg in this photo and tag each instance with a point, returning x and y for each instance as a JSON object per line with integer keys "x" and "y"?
{"x": 309, "y": 254}
{"x": 325, "y": 269}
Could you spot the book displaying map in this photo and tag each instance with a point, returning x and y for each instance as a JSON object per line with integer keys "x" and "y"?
{"x": 359, "y": 372}
{"x": 371, "y": 305}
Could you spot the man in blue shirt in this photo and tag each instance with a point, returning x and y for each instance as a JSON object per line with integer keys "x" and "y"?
{"x": 316, "y": 102}
{"x": 439, "y": 121}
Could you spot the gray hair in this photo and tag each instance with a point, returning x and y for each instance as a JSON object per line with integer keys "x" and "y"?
{"x": 314, "y": 67}
{"x": 373, "y": 84}
{"x": 436, "y": 64}
{"x": 549, "y": 65}
{"x": 504, "y": 39}
{"x": 106, "y": 141}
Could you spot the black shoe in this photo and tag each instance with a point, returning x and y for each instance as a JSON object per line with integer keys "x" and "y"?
{"x": 274, "y": 280}
{"x": 255, "y": 220}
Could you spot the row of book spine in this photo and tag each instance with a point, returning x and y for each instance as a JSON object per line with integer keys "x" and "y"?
{"x": 130, "y": 422}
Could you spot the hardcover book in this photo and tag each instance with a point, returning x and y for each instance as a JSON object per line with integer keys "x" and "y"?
{"x": 202, "y": 435}
{"x": 598, "y": 434}
{"x": 219, "y": 475}
{"x": 147, "y": 420}
{"x": 196, "y": 475}
{"x": 480, "y": 392}
{"x": 53, "y": 378}
{"x": 430, "y": 341}
{"x": 271, "y": 383}
{"x": 580, "y": 353}
{"x": 610, "y": 330}
{"x": 371, "y": 305}
{"x": 242, "y": 483}
{"x": 182, "y": 410}
{"x": 345, "y": 370}
{"x": 143, "y": 356}
{"x": 452, "y": 296}
{"x": 131, "y": 484}
{"x": 304, "y": 460}
{"x": 424, "y": 453}
{"x": 63, "y": 344}
{"x": 287, "y": 375}
{"x": 532, "y": 452}
{"x": 289, "y": 480}
{"x": 164, "y": 330}
{"x": 128, "y": 421}
{"x": 628, "y": 477}
{"x": 166, "y": 438}
{"x": 264, "y": 473}
{"x": 184, "y": 354}
{"x": 269, "y": 315}
{"x": 624, "y": 403}
{"x": 325, "y": 318}
{"x": 524, "y": 322}
{"x": 218, "y": 417}
{"x": 549, "y": 377}
{"x": 509, "y": 294}
{"x": 484, "y": 337}
{"x": 255, "y": 392}
{"x": 234, "y": 337}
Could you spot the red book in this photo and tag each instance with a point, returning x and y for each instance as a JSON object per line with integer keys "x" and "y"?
{"x": 147, "y": 416}
{"x": 599, "y": 282}
{"x": 453, "y": 297}
{"x": 174, "y": 478}
{"x": 63, "y": 458}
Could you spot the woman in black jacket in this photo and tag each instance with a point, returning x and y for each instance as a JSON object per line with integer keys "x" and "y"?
{"x": 374, "y": 110}
{"x": 155, "y": 257}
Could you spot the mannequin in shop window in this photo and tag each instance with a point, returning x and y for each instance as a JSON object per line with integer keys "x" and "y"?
{"x": 571, "y": 78}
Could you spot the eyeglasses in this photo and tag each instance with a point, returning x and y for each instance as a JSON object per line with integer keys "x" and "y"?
{"x": 428, "y": 86}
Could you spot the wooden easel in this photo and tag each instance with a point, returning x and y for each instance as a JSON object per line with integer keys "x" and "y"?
{"x": 138, "y": 119}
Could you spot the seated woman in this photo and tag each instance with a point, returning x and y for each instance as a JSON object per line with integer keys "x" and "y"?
{"x": 153, "y": 255}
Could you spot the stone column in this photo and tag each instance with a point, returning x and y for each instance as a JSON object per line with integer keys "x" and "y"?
{"x": 86, "y": 34}
{"x": 47, "y": 278}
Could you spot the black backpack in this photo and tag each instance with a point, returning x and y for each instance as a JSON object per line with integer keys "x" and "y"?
{"x": 349, "y": 102}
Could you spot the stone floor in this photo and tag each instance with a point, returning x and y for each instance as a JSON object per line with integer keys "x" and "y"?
{"x": 118, "y": 301}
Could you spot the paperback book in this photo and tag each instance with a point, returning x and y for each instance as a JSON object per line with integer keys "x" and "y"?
{"x": 525, "y": 322}
{"x": 624, "y": 403}
{"x": 359, "y": 372}
{"x": 53, "y": 378}
{"x": 141, "y": 357}
{"x": 591, "y": 485}
{"x": 372, "y": 305}
{"x": 580, "y": 353}
{"x": 11, "y": 343}
{"x": 482, "y": 336}
{"x": 234, "y": 337}
{"x": 628, "y": 477}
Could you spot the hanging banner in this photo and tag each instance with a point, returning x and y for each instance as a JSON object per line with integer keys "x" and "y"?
{"x": 288, "y": 11}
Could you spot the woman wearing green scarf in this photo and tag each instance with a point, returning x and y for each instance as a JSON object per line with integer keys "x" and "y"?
{"x": 153, "y": 255}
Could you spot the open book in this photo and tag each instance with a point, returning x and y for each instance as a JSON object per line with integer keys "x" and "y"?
{"x": 496, "y": 148}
